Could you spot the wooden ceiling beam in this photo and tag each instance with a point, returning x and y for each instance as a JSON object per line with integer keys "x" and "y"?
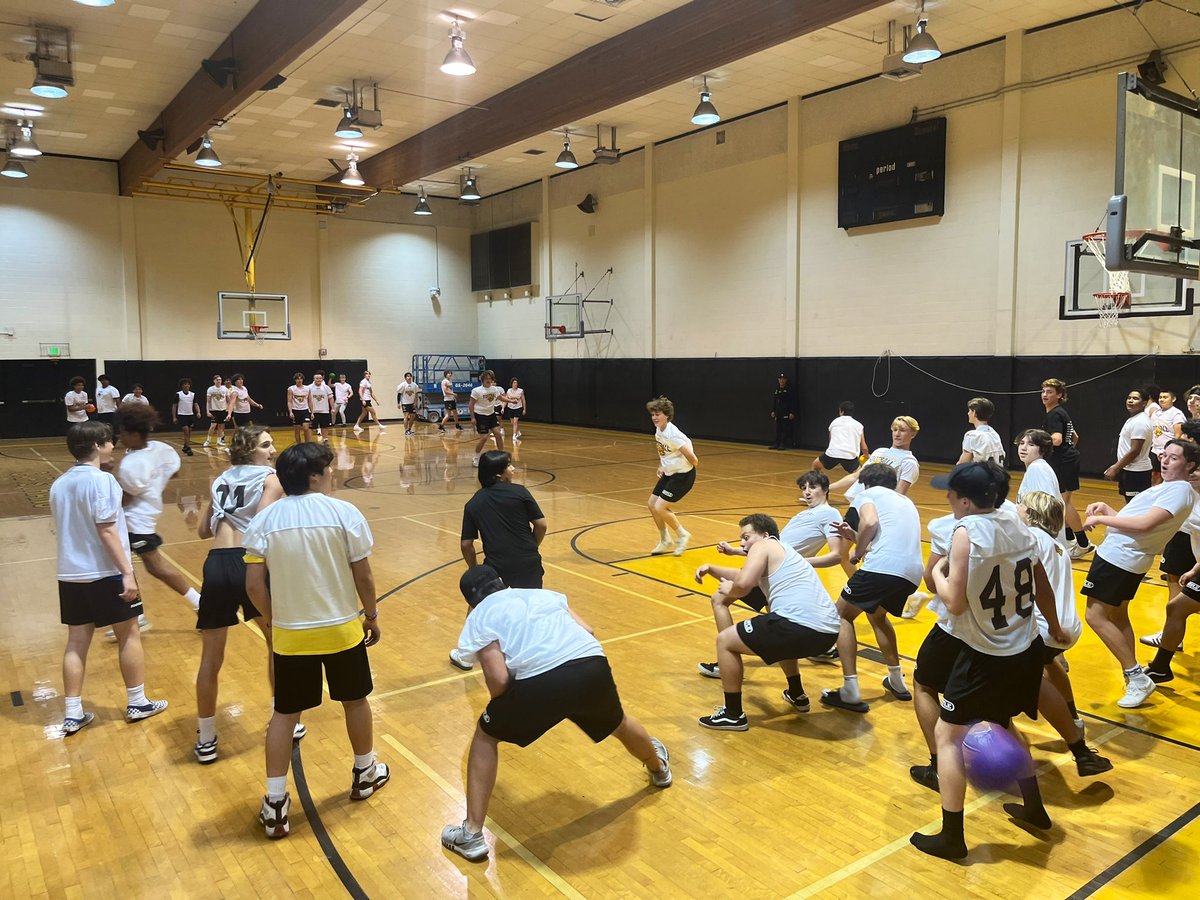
{"x": 674, "y": 47}
{"x": 272, "y": 35}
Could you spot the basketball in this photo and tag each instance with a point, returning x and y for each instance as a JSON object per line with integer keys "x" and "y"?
{"x": 91, "y": 407}
{"x": 994, "y": 758}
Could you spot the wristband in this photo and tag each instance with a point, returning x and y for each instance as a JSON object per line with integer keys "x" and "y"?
{"x": 371, "y": 618}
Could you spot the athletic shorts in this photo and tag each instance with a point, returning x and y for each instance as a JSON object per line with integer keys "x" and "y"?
{"x": 1110, "y": 584}
{"x": 773, "y": 637}
{"x": 581, "y": 691}
{"x": 224, "y": 590}
{"x": 485, "y": 424}
{"x": 144, "y": 543}
{"x": 871, "y": 590}
{"x": 935, "y": 660}
{"x": 993, "y": 688}
{"x": 1190, "y": 589}
{"x": 674, "y": 488}
{"x": 1049, "y": 654}
{"x": 832, "y": 462}
{"x": 1067, "y": 470}
{"x": 96, "y": 603}
{"x": 510, "y": 413}
{"x": 300, "y": 415}
{"x": 298, "y": 678}
{"x": 185, "y": 421}
{"x": 1155, "y": 462}
{"x": 219, "y": 415}
{"x": 367, "y": 404}
{"x": 521, "y": 573}
{"x": 322, "y": 419}
{"x": 756, "y": 599}
{"x": 241, "y": 419}
{"x": 1177, "y": 556}
{"x": 409, "y": 408}
{"x": 110, "y": 418}
{"x": 1130, "y": 484}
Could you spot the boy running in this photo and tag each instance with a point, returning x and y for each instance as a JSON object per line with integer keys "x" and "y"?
{"x": 676, "y": 475}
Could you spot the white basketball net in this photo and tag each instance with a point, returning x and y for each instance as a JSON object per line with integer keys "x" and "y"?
{"x": 1109, "y": 303}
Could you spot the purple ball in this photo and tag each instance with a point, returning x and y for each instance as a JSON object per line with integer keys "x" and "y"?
{"x": 994, "y": 758}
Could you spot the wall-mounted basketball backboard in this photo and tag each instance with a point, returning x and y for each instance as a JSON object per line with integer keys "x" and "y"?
{"x": 1086, "y": 281}
{"x": 1153, "y": 207}
{"x": 243, "y": 316}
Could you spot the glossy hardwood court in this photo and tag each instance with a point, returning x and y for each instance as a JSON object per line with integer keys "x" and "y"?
{"x": 800, "y": 805}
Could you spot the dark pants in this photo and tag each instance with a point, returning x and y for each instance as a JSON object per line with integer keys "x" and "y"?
{"x": 783, "y": 432}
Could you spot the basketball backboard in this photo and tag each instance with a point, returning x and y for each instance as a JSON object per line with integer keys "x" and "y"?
{"x": 240, "y": 314}
{"x": 1149, "y": 295}
{"x": 564, "y": 317}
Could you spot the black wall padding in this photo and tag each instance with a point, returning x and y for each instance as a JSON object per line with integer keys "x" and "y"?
{"x": 724, "y": 399}
{"x": 602, "y": 393}
{"x": 534, "y": 377}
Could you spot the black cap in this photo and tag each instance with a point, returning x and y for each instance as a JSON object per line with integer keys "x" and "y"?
{"x": 781, "y": 375}
{"x": 975, "y": 480}
{"x": 476, "y": 581}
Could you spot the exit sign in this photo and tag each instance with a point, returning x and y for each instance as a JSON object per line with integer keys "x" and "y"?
{"x": 55, "y": 351}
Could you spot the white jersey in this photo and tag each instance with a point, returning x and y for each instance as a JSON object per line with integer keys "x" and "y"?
{"x": 1163, "y": 421}
{"x": 365, "y": 391}
{"x": 1136, "y": 428}
{"x": 341, "y": 392}
{"x": 941, "y": 531}
{"x": 999, "y": 618}
{"x": 79, "y": 399}
{"x": 1135, "y": 552}
{"x": 515, "y": 398}
{"x": 670, "y": 443}
{"x": 236, "y": 493}
{"x": 906, "y": 466}
{"x": 143, "y": 475}
{"x": 984, "y": 445}
{"x": 447, "y": 389}
{"x": 1040, "y": 476}
{"x": 1191, "y": 527}
{"x": 896, "y": 549}
{"x": 486, "y": 399}
{"x": 809, "y": 530}
{"x": 321, "y": 395}
{"x": 80, "y": 499}
{"x": 185, "y": 403}
{"x": 218, "y": 398}
{"x": 794, "y": 591}
{"x": 106, "y": 399}
{"x": 408, "y": 391}
{"x": 241, "y": 400}
{"x": 298, "y": 397}
{"x": 134, "y": 398}
{"x": 1057, "y": 564}
{"x": 845, "y": 438}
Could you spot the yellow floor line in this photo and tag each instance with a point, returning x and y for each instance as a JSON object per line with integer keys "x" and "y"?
{"x": 501, "y": 833}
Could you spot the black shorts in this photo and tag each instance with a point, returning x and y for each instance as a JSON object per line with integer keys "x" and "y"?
{"x": 512, "y": 413}
{"x": 1130, "y": 484}
{"x": 96, "y": 603}
{"x": 322, "y": 419}
{"x": 521, "y": 573}
{"x": 367, "y": 404}
{"x": 1066, "y": 467}
{"x": 144, "y": 543}
{"x": 1177, "y": 556}
{"x": 871, "y": 590}
{"x": 224, "y": 590}
{"x": 851, "y": 518}
{"x": 773, "y": 638}
{"x": 756, "y": 599}
{"x": 674, "y": 488}
{"x": 409, "y": 408}
{"x": 1110, "y": 584}
{"x": 832, "y": 462}
{"x": 241, "y": 419}
{"x": 1049, "y": 654}
{"x": 581, "y": 691}
{"x": 993, "y": 688}
{"x": 186, "y": 421}
{"x": 1190, "y": 589}
{"x": 300, "y": 415}
{"x": 109, "y": 418}
{"x": 935, "y": 660}
{"x": 485, "y": 424}
{"x": 298, "y": 678}
{"x": 219, "y": 415}
{"x": 1155, "y": 463}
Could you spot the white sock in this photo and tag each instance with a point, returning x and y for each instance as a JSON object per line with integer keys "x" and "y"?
{"x": 192, "y": 597}
{"x": 850, "y": 689}
{"x": 135, "y": 696}
{"x": 364, "y": 761}
{"x": 682, "y": 533}
{"x": 896, "y": 676}
{"x": 74, "y": 707}
{"x": 276, "y": 788}
{"x": 665, "y": 535}
{"x": 208, "y": 729}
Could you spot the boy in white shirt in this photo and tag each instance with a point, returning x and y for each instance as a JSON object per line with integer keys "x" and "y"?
{"x": 1132, "y": 469}
{"x": 407, "y": 393}
{"x": 341, "y": 396}
{"x": 184, "y": 412}
{"x": 450, "y": 401}
{"x": 676, "y": 476}
{"x": 514, "y": 407}
{"x": 240, "y": 401}
{"x": 846, "y": 441}
{"x": 217, "y": 408}
{"x": 136, "y": 396}
{"x": 1166, "y": 420}
{"x": 107, "y": 398}
{"x": 981, "y": 444}
{"x": 484, "y": 407}
{"x": 76, "y": 401}
{"x": 366, "y": 395}
{"x": 322, "y": 399}
{"x": 299, "y": 409}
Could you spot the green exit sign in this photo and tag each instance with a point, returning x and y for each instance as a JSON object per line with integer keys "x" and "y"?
{"x": 55, "y": 351}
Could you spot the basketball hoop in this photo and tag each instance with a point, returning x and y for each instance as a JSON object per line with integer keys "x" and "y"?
{"x": 1110, "y": 303}
{"x": 554, "y": 332}
{"x": 256, "y": 332}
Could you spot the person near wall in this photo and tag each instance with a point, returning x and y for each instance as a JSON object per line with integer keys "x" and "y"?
{"x": 783, "y": 410}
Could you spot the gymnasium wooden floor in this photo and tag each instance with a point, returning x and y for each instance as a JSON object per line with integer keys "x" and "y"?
{"x": 798, "y": 806}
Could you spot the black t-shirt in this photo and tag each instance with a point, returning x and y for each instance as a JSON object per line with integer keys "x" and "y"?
{"x": 1058, "y": 421}
{"x": 502, "y": 515}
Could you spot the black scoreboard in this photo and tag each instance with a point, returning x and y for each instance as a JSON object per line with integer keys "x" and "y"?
{"x": 893, "y": 175}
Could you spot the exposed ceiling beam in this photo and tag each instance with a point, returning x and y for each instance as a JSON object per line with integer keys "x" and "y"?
{"x": 273, "y": 34}
{"x": 674, "y": 47}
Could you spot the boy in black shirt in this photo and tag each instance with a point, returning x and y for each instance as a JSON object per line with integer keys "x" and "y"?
{"x": 1064, "y": 460}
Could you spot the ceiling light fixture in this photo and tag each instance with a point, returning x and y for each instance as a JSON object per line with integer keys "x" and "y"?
{"x": 457, "y": 61}
{"x": 422, "y": 208}
{"x": 207, "y": 156}
{"x": 25, "y": 146}
{"x": 470, "y": 187}
{"x": 706, "y": 113}
{"x": 351, "y": 176}
{"x": 566, "y": 159}
{"x": 14, "y": 169}
{"x": 922, "y": 48}
{"x": 51, "y": 58}
{"x": 95, "y": 2}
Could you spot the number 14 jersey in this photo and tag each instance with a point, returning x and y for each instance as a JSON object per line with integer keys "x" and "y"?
{"x": 999, "y": 618}
{"x": 236, "y": 493}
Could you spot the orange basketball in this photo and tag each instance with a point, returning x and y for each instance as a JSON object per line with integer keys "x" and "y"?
{"x": 91, "y": 407}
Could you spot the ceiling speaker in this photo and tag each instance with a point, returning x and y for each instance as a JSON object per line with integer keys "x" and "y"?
{"x": 588, "y": 204}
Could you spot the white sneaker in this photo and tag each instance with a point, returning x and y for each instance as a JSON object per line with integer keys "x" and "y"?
{"x": 475, "y": 461}
{"x": 1155, "y": 641}
{"x": 681, "y": 543}
{"x": 913, "y": 605}
{"x": 1077, "y": 552}
{"x": 357, "y": 429}
{"x": 383, "y": 428}
{"x": 1137, "y": 689}
{"x": 143, "y": 625}
{"x": 666, "y": 545}
{"x": 274, "y": 817}
{"x": 459, "y": 660}
{"x": 299, "y": 731}
{"x": 221, "y": 442}
{"x": 661, "y": 778}
{"x": 516, "y": 435}
{"x": 207, "y": 444}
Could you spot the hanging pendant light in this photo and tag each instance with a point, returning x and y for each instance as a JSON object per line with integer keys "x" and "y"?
{"x": 922, "y": 48}
{"x": 351, "y": 176}
{"x": 422, "y": 208}
{"x": 14, "y": 168}
{"x": 25, "y": 146}
{"x": 566, "y": 159}
{"x": 706, "y": 113}
{"x": 470, "y": 188}
{"x": 207, "y": 156}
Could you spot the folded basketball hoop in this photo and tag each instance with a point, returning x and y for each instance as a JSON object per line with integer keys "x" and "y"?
{"x": 256, "y": 332}
{"x": 1110, "y": 303}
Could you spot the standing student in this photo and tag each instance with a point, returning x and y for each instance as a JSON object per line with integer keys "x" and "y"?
{"x": 676, "y": 475}
{"x": 514, "y": 407}
{"x": 240, "y": 401}
{"x": 981, "y": 443}
{"x": 107, "y": 398}
{"x": 484, "y": 407}
{"x": 366, "y": 395}
{"x": 341, "y": 396}
{"x": 137, "y": 396}
{"x": 1033, "y": 446}
{"x": 450, "y": 402}
{"x": 407, "y": 394}
{"x": 299, "y": 407}
{"x": 846, "y": 441}
{"x": 96, "y": 584}
{"x": 77, "y": 402}
{"x": 784, "y": 406}
{"x": 542, "y": 665}
{"x": 1064, "y": 460}
{"x": 184, "y": 412}
{"x": 899, "y": 457}
{"x": 1132, "y": 469}
{"x": 321, "y": 399}
{"x": 1167, "y": 421}
{"x": 1135, "y": 535}
{"x": 316, "y": 549}
{"x": 144, "y": 471}
{"x": 217, "y": 406}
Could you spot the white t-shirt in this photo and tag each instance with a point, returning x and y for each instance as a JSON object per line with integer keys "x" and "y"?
{"x": 1057, "y": 564}
{"x": 185, "y": 404}
{"x": 408, "y": 391}
{"x": 447, "y": 389}
{"x": 236, "y": 493}
{"x": 515, "y": 397}
{"x": 809, "y": 530}
{"x": 365, "y": 391}
{"x": 218, "y": 398}
{"x": 999, "y": 618}
{"x": 241, "y": 399}
{"x": 298, "y": 397}
{"x": 1164, "y": 421}
{"x": 143, "y": 474}
{"x": 896, "y": 549}
{"x": 941, "y": 530}
{"x": 80, "y": 499}
{"x": 1040, "y": 476}
{"x": 669, "y": 443}
{"x": 106, "y": 399}
{"x": 1191, "y": 527}
{"x": 845, "y": 438}
{"x": 1136, "y": 428}
{"x": 321, "y": 394}
{"x": 534, "y": 628}
{"x": 794, "y": 591}
{"x": 906, "y": 466}
{"x": 486, "y": 399}
{"x": 984, "y": 445}
{"x": 134, "y": 398}
{"x": 1135, "y": 552}
{"x": 341, "y": 392}
{"x": 79, "y": 398}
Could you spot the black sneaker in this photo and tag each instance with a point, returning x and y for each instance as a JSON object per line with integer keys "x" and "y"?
{"x": 722, "y": 721}
{"x": 187, "y": 451}
{"x": 709, "y": 670}
{"x": 458, "y": 428}
{"x": 1092, "y": 763}
{"x": 830, "y": 655}
{"x": 1160, "y": 677}
{"x": 926, "y": 776}
{"x": 800, "y": 704}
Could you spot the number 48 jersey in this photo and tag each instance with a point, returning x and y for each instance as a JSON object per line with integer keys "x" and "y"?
{"x": 999, "y": 619}
{"x": 236, "y": 493}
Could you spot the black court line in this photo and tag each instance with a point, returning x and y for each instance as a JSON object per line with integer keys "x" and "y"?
{"x": 17, "y": 699}
{"x": 1137, "y": 853}
{"x": 1153, "y": 734}
{"x": 349, "y": 882}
